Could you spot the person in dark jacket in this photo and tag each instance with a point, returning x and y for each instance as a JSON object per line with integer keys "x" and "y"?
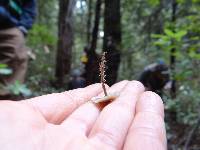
{"x": 16, "y": 18}
{"x": 155, "y": 77}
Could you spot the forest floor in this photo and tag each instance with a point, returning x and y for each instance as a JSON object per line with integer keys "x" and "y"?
{"x": 178, "y": 134}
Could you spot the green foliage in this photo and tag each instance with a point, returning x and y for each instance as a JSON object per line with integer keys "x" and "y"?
{"x": 170, "y": 39}
{"x": 17, "y": 88}
{"x": 40, "y": 35}
{"x": 186, "y": 105}
{"x": 42, "y": 41}
{"x": 4, "y": 70}
{"x": 177, "y": 36}
{"x": 154, "y": 2}
{"x": 143, "y": 44}
{"x": 180, "y": 1}
{"x": 48, "y": 12}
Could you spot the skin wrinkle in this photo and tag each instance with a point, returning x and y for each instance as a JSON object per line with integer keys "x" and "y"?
{"x": 157, "y": 125}
{"x": 106, "y": 138}
{"x": 123, "y": 106}
{"x": 159, "y": 145}
{"x": 83, "y": 94}
{"x": 81, "y": 122}
{"x": 62, "y": 111}
{"x": 157, "y": 120}
{"x": 97, "y": 145}
{"x": 87, "y": 122}
{"x": 77, "y": 102}
{"x": 151, "y": 143}
{"x": 146, "y": 131}
{"x": 34, "y": 109}
{"x": 151, "y": 113}
{"x": 59, "y": 108}
{"x": 154, "y": 126}
{"x": 44, "y": 108}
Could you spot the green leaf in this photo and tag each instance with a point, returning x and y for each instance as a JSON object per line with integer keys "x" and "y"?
{"x": 169, "y": 32}
{"x": 25, "y": 91}
{"x": 160, "y": 42}
{"x": 18, "y": 88}
{"x": 195, "y": 1}
{"x": 5, "y": 71}
{"x": 181, "y": 1}
{"x": 153, "y": 2}
{"x": 180, "y": 34}
{"x": 156, "y": 36}
{"x": 194, "y": 55}
{"x": 3, "y": 65}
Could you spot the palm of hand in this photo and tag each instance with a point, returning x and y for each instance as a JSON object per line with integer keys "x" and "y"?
{"x": 70, "y": 123}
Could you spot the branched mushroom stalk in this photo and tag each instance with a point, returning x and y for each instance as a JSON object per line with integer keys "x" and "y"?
{"x": 102, "y": 67}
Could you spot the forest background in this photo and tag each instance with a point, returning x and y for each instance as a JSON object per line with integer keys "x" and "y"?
{"x": 134, "y": 33}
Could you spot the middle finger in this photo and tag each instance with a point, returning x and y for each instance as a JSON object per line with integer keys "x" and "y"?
{"x": 112, "y": 125}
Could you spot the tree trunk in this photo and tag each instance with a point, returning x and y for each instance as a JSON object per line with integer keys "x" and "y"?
{"x": 112, "y": 39}
{"x": 65, "y": 39}
{"x": 89, "y": 21}
{"x": 172, "y": 53}
{"x": 92, "y": 66}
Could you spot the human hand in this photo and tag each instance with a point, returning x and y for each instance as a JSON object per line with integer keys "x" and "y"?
{"x": 66, "y": 121}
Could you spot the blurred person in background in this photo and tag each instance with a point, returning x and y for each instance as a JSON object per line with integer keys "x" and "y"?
{"x": 76, "y": 81}
{"x": 16, "y": 18}
{"x": 155, "y": 77}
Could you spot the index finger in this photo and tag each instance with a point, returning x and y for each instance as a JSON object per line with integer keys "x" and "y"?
{"x": 148, "y": 129}
{"x": 57, "y": 106}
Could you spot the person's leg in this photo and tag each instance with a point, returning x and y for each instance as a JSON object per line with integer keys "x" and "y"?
{"x": 13, "y": 52}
